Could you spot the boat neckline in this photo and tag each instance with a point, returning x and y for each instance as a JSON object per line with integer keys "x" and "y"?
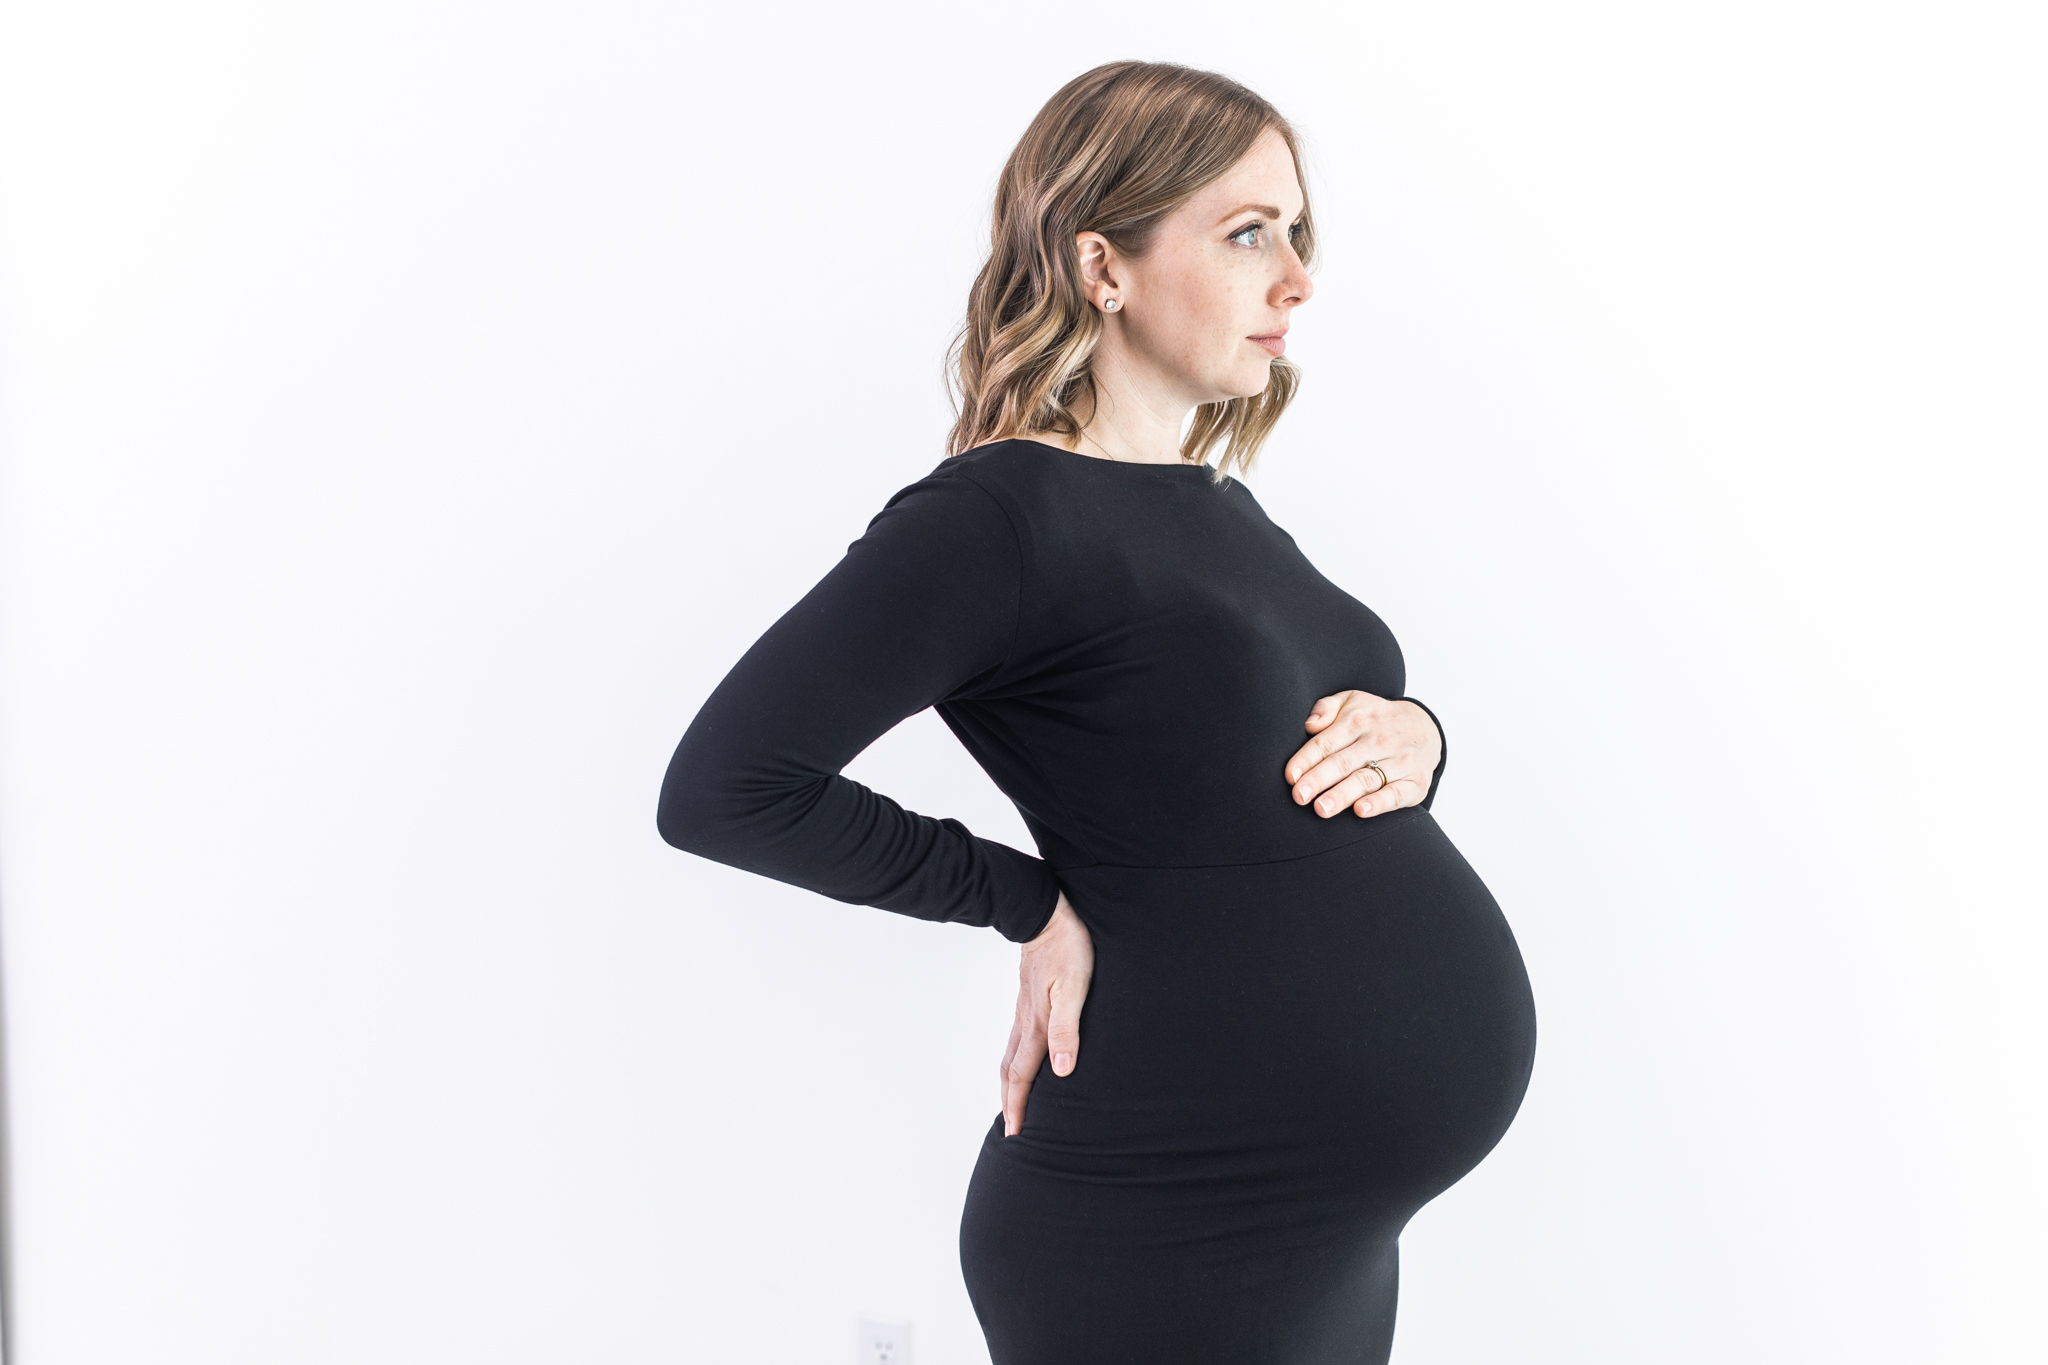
{"x": 1191, "y": 466}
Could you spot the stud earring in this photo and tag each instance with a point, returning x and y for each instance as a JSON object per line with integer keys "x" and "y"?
{"x": 1110, "y": 305}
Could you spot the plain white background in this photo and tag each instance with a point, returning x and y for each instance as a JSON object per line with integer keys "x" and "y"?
{"x": 412, "y": 409}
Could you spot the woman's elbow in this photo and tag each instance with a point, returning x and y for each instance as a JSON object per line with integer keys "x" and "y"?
{"x": 673, "y": 822}
{"x": 688, "y": 815}
{"x": 685, "y": 819}
{"x": 726, "y": 810}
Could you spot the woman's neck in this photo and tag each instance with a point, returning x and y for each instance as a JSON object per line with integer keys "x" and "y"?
{"x": 1123, "y": 422}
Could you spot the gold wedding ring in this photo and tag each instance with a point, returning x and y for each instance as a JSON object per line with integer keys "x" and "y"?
{"x": 1384, "y": 783}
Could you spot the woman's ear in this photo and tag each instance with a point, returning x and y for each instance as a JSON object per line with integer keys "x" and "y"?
{"x": 1098, "y": 266}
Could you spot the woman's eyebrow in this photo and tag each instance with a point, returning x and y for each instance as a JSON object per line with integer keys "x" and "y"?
{"x": 1269, "y": 210}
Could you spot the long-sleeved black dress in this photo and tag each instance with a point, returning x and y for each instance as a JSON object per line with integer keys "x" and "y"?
{"x": 1300, "y": 1029}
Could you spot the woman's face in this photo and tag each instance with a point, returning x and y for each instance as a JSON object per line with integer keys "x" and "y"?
{"x": 1205, "y": 310}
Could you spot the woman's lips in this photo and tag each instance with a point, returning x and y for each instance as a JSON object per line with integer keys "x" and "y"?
{"x": 1275, "y": 344}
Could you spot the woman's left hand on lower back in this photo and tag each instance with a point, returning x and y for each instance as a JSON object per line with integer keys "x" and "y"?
{"x": 1347, "y": 732}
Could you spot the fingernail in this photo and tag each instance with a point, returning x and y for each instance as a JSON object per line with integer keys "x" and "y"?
{"x": 1062, "y": 1062}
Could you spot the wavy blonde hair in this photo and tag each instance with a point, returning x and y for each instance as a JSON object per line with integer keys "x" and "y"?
{"x": 1114, "y": 152}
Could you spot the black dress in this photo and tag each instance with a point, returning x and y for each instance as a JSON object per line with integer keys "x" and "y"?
{"x": 1299, "y": 1031}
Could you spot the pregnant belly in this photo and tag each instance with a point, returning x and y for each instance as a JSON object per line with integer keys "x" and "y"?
{"x": 1352, "y": 1026}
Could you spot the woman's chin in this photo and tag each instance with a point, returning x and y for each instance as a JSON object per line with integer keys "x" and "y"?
{"x": 1247, "y": 381}
{"x": 1253, "y": 382}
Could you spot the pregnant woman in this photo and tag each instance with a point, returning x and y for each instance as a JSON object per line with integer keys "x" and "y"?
{"x": 1305, "y": 1016}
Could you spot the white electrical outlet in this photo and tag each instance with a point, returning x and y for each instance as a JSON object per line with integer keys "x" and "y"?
{"x": 883, "y": 1343}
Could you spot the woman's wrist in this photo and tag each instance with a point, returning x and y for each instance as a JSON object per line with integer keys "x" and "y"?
{"x": 1443, "y": 752}
{"x": 1055, "y": 923}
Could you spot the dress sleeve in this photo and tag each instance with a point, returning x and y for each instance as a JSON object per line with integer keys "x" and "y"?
{"x": 922, "y": 609}
{"x": 1443, "y": 754}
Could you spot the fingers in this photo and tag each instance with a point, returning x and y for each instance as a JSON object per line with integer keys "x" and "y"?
{"x": 1058, "y": 1029}
{"x": 1345, "y": 789}
{"x": 1350, "y": 729}
{"x": 1020, "y": 1066}
{"x": 1327, "y": 709}
{"x": 1063, "y": 1031}
{"x": 1053, "y": 976}
{"x": 1342, "y": 778}
{"x": 1332, "y": 788}
{"x": 1336, "y": 723}
{"x": 1307, "y": 756}
{"x": 1402, "y": 791}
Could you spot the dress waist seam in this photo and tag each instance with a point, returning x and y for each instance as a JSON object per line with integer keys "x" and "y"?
{"x": 1376, "y": 829}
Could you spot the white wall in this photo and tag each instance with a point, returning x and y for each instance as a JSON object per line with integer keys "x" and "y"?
{"x": 412, "y": 409}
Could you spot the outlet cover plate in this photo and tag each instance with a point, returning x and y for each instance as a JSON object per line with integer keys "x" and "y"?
{"x": 883, "y": 1342}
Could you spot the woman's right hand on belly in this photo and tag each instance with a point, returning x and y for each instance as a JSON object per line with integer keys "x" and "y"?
{"x": 1052, "y": 981}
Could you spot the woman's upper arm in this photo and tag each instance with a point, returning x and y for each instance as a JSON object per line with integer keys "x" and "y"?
{"x": 923, "y": 607}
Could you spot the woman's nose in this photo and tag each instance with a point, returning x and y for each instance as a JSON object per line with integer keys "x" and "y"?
{"x": 1294, "y": 287}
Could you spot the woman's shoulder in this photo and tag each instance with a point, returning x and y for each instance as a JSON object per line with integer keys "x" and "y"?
{"x": 1012, "y": 475}
{"x": 1014, "y": 461}
{"x": 987, "y": 477}
{"x": 995, "y": 499}
{"x": 964, "y": 511}
{"x": 1031, "y": 467}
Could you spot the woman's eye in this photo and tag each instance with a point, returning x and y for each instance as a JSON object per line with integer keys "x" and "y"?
{"x": 1249, "y": 230}
{"x": 1294, "y": 233}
